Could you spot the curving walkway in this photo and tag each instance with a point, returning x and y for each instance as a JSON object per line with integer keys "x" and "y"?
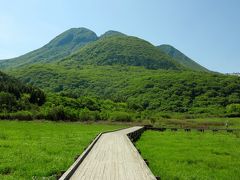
{"x": 114, "y": 157}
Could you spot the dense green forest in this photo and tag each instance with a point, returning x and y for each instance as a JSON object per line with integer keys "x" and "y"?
{"x": 117, "y": 77}
{"x": 15, "y": 96}
{"x": 102, "y": 92}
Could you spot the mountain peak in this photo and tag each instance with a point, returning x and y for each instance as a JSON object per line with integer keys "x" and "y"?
{"x": 112, "y": 33}
{"x": 61, "y": 46}
{"x": 77, "y": 36}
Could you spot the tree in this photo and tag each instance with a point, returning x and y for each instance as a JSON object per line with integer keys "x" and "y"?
{"x": 7, "y": 101}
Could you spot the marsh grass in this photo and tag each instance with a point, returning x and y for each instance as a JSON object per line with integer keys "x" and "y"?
{"x": 34, "y": 150}
{"x": 211, "y": 123}
{"x": 192, "y": 155}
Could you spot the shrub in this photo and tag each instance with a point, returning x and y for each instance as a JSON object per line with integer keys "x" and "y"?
{"x": 85, "y": 115}
{"x": 104, "y": 115}
{"x": 233, "y": 110}
{"x": 56, "y": 113}
{"x": 120, "y": 116}
{"x": 22, "y": 115}
{"x": 7, "y": 101}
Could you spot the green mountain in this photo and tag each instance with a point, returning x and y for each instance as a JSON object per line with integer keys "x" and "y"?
{"x": 14, "y": 95}
{"x": 112, "y": 47}
{"x": 61, "y": 46}
{"x": 181, "y": 58}
{"x": 122, "y": 50}
{"x": 116, "y": 76}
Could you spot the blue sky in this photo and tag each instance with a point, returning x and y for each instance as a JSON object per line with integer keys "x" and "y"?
{"x": 208, "y": 31}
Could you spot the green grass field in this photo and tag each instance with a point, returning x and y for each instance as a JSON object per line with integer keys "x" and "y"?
{"x": 33, "y": 150}
{"x": 219, "y": 123}
{"x": 192, "y": 155}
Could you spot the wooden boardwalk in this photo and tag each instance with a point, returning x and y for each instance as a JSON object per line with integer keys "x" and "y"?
{"x": 113, "y": 157}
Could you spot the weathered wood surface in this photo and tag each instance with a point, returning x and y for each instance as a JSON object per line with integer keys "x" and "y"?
{"x": 114, "y": 157}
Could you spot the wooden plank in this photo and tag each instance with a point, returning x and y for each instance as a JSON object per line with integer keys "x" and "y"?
{"x": 113, "y": 157}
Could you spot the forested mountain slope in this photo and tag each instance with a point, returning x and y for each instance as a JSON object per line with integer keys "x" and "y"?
{"x": 122, "y": 50}
{"x": 60, "y": 47}
{"x": 140, "y": 88}
{"x": 15, "y": 95}
{"x": 181, "y": 58}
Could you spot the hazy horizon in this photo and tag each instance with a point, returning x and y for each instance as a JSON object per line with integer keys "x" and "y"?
{"x": 207, "y": 32}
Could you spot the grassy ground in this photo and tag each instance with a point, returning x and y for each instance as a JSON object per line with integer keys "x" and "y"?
{"x": 33, "y": 150}
{"x": 192, "y": 155}
{"x": 200, "y": 123}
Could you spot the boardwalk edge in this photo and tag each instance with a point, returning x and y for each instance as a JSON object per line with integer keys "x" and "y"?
{"x": 67, "y": 175}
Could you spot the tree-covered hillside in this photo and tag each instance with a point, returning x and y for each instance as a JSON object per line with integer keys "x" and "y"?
{"x": 181, "y": 58}
{"x": 122, "y": 50}
{"x": 15, "y": 96}
{"x": 139, "y": 88}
